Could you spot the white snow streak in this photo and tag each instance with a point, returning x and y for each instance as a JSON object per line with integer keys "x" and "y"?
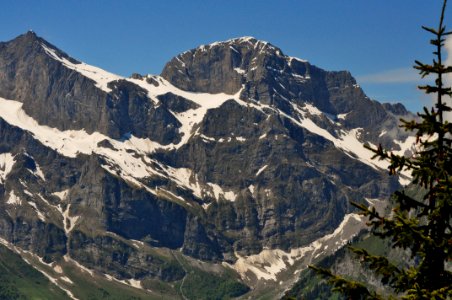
{"x": 38, "y": 212}
{"x": 240, "y": 71}
{"x": 51, "y": 278}
{"x": 186, "y": 179}
{"x": 261, "y": 170}
{"x": 76, "y": 263}
{"x": 350, "y": 143}
{"x": 68, "y": 221}
{"x": 55, "y": 282}
{"x": 268, "y": 263}
{"x": 218, "y": 191}
{"x": 342, "y": 116}
{"x": 62, "y": 194}
{"x": 101, "y": 77}
{"x": 13, "y": 199}
{"x": 251, "y": 188}
{"x": 6, "y": 165}
{"x": 39, "y": 172}
{"x": 130, "y": 282}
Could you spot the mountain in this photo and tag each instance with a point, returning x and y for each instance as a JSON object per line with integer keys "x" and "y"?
{"x": 237, "y": 163}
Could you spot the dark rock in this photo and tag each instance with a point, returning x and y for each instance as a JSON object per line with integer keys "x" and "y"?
{"x": 396, "y": 108}
{"x": 135, "y": 114}
{"x": 106, "y": 144}
{"x": 176, "y": 103}
{"x": 109, "y": 255}
{"x": 287, "y": 184}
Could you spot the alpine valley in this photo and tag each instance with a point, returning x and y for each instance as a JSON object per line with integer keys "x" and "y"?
{"x": 223, "y": 177}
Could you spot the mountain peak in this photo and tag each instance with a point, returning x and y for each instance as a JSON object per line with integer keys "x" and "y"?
{"x": 30, "y": 44}
{"x": 245, "y": 42}
{"x": 27, "y": 38}
{"x": 230, "y": 63}
{"x": 241, "y": 40}
{"x": 30, "y": 33}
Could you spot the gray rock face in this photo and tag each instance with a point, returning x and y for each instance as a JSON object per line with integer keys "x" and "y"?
{"x": 102, "y": 204}
{"x": 107, "y": 254}
{"x": 264, "y": 74}
{"x": 52, "y": 94}
{"x": 292, "y": 186}
{"x": 269, "y": 167}
{"x": 131, "y": 112}
{"x": 60, "y": 97}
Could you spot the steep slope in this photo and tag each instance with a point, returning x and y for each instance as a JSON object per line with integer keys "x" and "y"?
{"x": 236, "y": 154}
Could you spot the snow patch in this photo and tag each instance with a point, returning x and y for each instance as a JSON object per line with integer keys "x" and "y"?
{"x": 39, "y": 172}
{"x": 62, "y": 194}
{"x": 174, "y": 196}
{"x": 269, "y": 263}
{"x": 190, "y": 118}
{"x": 205, "y": 206}
{"x": 55, "y": 282}
{"x": 233, "y": 49}
{"x": 291, "y": 58}
{"x": 99, "y": 76}
{"x": 13, "y": 199}
{"x": 138, "y": 244}
{"x": 129, "y": 156}
{"x": 348, "y": 140}
{"x": 6, "y": 165}
{"x": 69, "y": 222}
{"x": 207, "y": 138}
{"x": 58, "y": 269}
{"x": 261, "y": 170}
{"x": 231, "y": 196}
{"x": 408, "y": 145}
{"x": 185, "y": 178}
{"x": 67, "y": 258}
{"x": 130, "y": 282}
{"x": 64, "y": 278}
{"x": 51, "y": 278}
{"x": 239, "y": 70}
{"x": 311, "y": 109}
{"x": 342, "y": 116}
{"x": 38, "y": 212}
{"x": 218, "y": 191}
{"x": 251, "y": 188}
{"x": 70, "y": 142}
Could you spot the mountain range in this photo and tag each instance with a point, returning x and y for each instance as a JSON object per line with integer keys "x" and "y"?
{"x": 237, "y": 162}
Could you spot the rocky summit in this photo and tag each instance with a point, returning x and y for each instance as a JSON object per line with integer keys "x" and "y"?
{"x": 237, "y": 161}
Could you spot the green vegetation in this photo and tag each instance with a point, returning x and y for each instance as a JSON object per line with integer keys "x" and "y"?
{"x": 18, "y": 280}
{"x": 91, "y": 288}
{"x": 203, "y": 285}
{"x": 311, "y": 287}
{"x": 420, "y": 225}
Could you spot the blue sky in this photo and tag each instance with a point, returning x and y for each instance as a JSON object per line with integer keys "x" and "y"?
{"x": 376, "y": 40}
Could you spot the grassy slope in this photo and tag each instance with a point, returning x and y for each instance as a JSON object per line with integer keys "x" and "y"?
{"x": 18, "y": 280}
{"x": 310, "y": 286}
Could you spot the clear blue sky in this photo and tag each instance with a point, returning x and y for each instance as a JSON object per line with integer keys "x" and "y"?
{"x": 377, "y": 40}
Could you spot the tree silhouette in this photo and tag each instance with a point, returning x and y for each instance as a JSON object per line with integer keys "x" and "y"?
{"x": 419, "y": 225}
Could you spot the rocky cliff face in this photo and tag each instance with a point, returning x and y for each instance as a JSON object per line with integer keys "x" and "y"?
{"x": 234, "y": 149}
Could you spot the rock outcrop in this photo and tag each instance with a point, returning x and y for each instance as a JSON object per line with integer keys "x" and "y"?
{"x": 235, "y": 148}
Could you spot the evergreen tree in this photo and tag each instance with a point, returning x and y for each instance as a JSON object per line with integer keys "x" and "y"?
{"x": 422, "y": 227}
